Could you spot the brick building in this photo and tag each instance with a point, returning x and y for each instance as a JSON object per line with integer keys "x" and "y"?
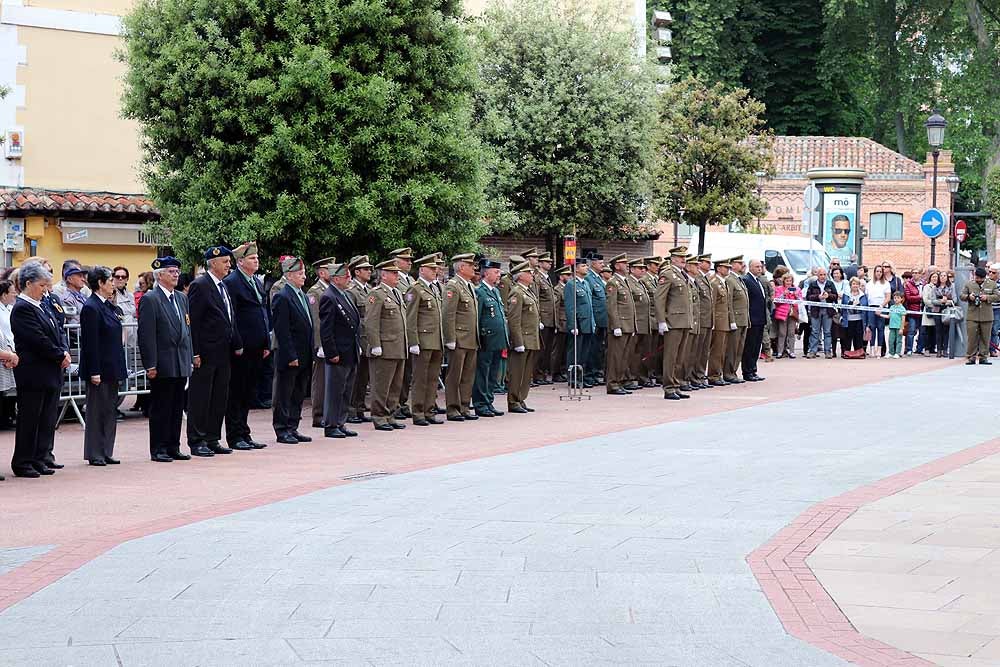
{"x": 896, "y": 191}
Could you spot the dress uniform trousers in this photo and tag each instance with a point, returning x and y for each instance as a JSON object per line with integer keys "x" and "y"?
{"x": 290, "y": 386}
{"x": 619, "y": 351}
{"x": 317, "y": 389}
{"x": 557, "y": 355}
{"x": 674, "y": 348}
{"x": 487, "y": 371}
{"x": 339, "y": 381}
{"x": 406, "y": 386}
{"x": 580, "y": 346}
{"x": 37, "y": 413}
{"x": 979, "y": 339}
{"x": 423, "y": 393}
{"x": 734, "y": 352}
{"x": 521, "y": 365}
{"x": 637, "y": 368}
{"x": 542, "y": 356}
{"x": 208, "y": 396}
{"x": 387, "y": 382}
{"x": 717, "y": 356}
{"x": 99, "y": 433}
{"x": 458, "y": 383}
{"x": 166, "y": 412}
{"x": 244, "y": 372}
{"x": 597, "y": 355}
{"x": 704, "y": 350}
{"x": 357, "y": 408}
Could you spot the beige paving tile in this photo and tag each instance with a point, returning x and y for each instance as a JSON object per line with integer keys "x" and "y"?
{"x": 955, "y": 661}
{"x": 833, "y": 547}
{"x": 989, "y": 652}
{"x": 966, "y": 536}
{"x": 851, "y": 533}
{"x": 955, "y": 569}
{"x": 930, "y": 641}
{"x": 866, "y": 520}
{"x": 875, "y": 617}
{"x": 972, "y": 584}
{"x": 907, "y": 583}
{"x": 868, "y": 564}
{"x": 976, "y": 603}
{"x": 983, "y": 624}
{"x": 927, "y": 551}
{"x": 868, "y": 596}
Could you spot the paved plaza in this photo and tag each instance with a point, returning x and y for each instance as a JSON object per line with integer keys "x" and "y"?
{"x": 613, "y": 531}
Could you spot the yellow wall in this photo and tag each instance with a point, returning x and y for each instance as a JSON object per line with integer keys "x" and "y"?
{"x": 50, "y": 246}
{"x": 117, "y": 7}
{"x": 74, "y": 136}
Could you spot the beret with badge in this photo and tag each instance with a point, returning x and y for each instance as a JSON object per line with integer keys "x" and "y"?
{"x": 244, "y": 250}
{"x": 166, "y": 262}
{"x": 291, "y": 264}
{"x": 217, "y": 251}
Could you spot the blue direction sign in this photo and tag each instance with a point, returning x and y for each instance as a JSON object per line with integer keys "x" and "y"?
{"x": 933, "y": 222}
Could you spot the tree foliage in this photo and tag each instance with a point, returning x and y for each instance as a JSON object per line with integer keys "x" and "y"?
{"x": 710, "y": 144}
{"x": 567, "y": 111}
{"x": 992, "y": 203}
{"x": 313, "y": 126}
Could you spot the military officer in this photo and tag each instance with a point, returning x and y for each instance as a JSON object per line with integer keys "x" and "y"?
{"x": 723, "y": 323}
{"x": 532, "y": 255}
{"x": 525, "y": 341}
{"x": 404, "y": 260}
{"x": 653, "y": 357}
{"x": 313, "y": 295}
{"x": 546, "y": 307}
{"x": 741, "y": 316}
{"x": 674, "y": 315}
{"x": 980, "y": 293}
{"x": 493, "y": 339}
{"x": 707, "y": 319}
{"x": 358, "y": 289}
{"x": 578, "y": 305}
{"x": 423, "y": 329}
{"x": 638, "y": 374}
{"x": 557, "y": 355}
{"x": 506, "y": 281}
{"x": 621, "y": 326}
{"x": 385, "y": 334}
{"x": 701, "y": 302}
{"x": 461, "y": 337}
{"x": 595, "y": 364}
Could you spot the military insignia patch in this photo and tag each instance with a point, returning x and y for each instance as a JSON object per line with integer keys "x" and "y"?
{"x": 450, "y": 294}
{"x": 371, "y": 299}
{"x": 312, "y": 299}
{"x": 187, "y": 319}
{"x": 513, "y": 299}
{"x": 156, "y": 264}
{"x": 409, "y": 296}
{"x": 57, "y": 306}
{"x": 215, "y": 252}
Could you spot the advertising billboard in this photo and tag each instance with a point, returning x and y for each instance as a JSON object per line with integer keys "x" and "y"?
{"x": 840, "y": 224}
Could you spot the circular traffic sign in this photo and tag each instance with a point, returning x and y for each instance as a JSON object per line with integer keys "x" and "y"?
{"x": 961, "y": 230}
{"x": 933, "y": 222}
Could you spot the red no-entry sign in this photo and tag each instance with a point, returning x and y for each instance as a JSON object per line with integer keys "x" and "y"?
{"x": 961, "y": 230}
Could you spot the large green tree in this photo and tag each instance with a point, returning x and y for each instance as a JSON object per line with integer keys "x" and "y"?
{"x": 312, "y": 126}
{"x": 566, "y": 108}
{"x": 711, "y": 143}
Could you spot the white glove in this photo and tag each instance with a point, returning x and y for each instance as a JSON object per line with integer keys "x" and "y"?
{"x": 662, "y": 328}
{"x": 450, "y": 346}
{"x": 617, "y": 333}
{"x": 732, "y": 326}
{"x": 319, "y": 352}
{"x": 540, "y": 326}
{"x": 376, "y": 351}
{"x": 519, "y": 348}
{"x": 414, "y": 349}
{"x": 574, "y": 331}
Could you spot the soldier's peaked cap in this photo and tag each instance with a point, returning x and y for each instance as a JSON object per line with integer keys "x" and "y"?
{"x": 402, "y": 253}
{"x": 388, "y": 265}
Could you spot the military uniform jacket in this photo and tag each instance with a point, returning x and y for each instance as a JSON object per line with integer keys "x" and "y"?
{"x": 359, "y": 293}
{"x": 423, "y": 317}
{"x": 579, "y": 309}
{"x": 722, "y": 305}
{"x": 988, "y": 294}
{"x": 705, "y": 304}
{"x": 385, "y": 323}
{"x": 523, "y": 318}
{"x": 672, "y": 300}
{"x": 599, "y": 298}
{"x": 621, "y": 306}
{"x": 559, "y": 306}
{"x": 505, "y": 284}
{"x": 405, "y": 282}
{"x": 642, "y": 303}
{"x": 649, "y": 281}
{"x": 741, "y": 302}
{"x": 695, "y": 304}
{"x": 461, "y": 314}
{"x": 313, "y": 295}
{"x": 492, "y": 319}
{"x": 546, "y": 298}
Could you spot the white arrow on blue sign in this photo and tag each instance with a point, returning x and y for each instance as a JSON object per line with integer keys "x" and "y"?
{"x": 933, "y": 222}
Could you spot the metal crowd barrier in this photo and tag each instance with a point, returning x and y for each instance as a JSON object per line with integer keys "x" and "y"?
{"x": 74, "y": 391}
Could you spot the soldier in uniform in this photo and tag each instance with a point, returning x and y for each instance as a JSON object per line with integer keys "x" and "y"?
{"x": 578, "y": 305}
{"x": 980, "y": 293}
{"x": 653, "y": 356}
{"x": 621, "y": 326}
{"x": 313, "y": 295}
{"x": 638, "y": 373}
{"x": 493, "y": 339}
{"x": 723, "y": 323}
{"x": 741, "y": 316}
{"x": 525, "y": 326}
{"x": 595, "y": 364}
{"x": 707, "y": 319}
{"x": 404, "y": 260}
{"x": 701, "y": 326}
{"x": 674, "y": 315}
{"x": 385, "y": 335}
{"x": 557, "y": 354}
{"x": 546, "y": 307}
{"x": 423, "y": 329}
{"x": 461, "y": 337}
{"x": 358, "y": 289}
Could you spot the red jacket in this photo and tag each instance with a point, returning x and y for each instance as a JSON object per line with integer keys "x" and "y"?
{"x": 911, "y": 296}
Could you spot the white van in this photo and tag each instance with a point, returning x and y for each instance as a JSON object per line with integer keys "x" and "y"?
{"x": 774, "y": 249}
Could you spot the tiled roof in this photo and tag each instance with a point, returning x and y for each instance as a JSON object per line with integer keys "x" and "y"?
{"x": 794, "y": 156}
{"x": 31, "y": 200}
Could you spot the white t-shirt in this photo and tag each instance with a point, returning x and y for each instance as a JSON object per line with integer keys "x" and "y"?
{"x": 878, "y": 292}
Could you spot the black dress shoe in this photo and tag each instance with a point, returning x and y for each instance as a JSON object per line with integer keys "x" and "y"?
{"x": 686, "y": 387}
{"x": 318, "y": 424}
{"x": 98, "y": 462}
{"x": 588, "y": 385}
{"x": 202, "y": 450}
{"x": 484, "y": 413}
{"x": 333, "y": 433}
{"x": 469, "y": 417}
{"x": 242, "y": 446}
{"x": 46, "y": 471}
{"x": 397, "y": 426}
{"x": 717, "y": 383}
{"x": 496, "y": 413}
{"x": 456, "y": 418}
{"x": 27, "y": 473}
{"x": 177, "y": 456}
{"x": 421, "y": 422}
{"x": 110, "y": 461}
{"x": 684, "y": 395}
{"x": 617, "y": 392}
{"x": 527, "y": 408}
{"x": 985, "y": 362}
{"x": 55, "y": 466}
{"x": 672, "y": 396}
{"x": 255, "y": 445}
{"x": 288, "y": 440}
{"x": 440, "y": 411}
{"x": 219, "y": 449}
{"x": 348, "y": 432}
{"x": 517, "y": 410}
{"x": 384, "y": 427}
{"x": 301, "y": 438}
{"x": 633, "y": 386}
{"x": 734, "y": 381}
{"x": 970, "y": 362}
{"x": 355, "y": 420}
{"x": 433, "y": 421}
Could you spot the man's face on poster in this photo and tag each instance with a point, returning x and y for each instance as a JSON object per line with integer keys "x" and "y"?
{"x": 841, "y": 231}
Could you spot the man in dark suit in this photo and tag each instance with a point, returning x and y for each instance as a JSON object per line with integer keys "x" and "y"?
{"x": 253, "y": 323}
{"x": 293, "y": 333}
{"x": 214, "y": 339}
{"x": 165, "y": 347}
{"x": 39, "y": 375}
{"x": 758, "y": 320}
{"x": 340, "y": 342}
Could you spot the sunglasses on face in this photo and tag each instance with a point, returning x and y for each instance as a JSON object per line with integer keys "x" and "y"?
{"x": 121, "y": 276}
{"x": 837, "y": 230}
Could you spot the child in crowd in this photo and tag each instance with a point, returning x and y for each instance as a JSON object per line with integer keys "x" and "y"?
{"x": 897, "y": 311}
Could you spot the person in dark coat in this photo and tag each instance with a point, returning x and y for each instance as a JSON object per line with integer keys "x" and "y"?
{"x": 253, "y": 323}
{"x": 214, "y": 339}
{"x": 293, "y": 333}
{"x": 340, "y": 342}
{"x": 758, "y": 320}
{"x": 165, "y": 347}
{"x": 41, "y": 347}
{"x": 102, "y": 365}
{"x": 578, "y": 302}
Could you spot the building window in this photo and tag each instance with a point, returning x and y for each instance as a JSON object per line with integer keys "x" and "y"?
{"x": 685, "y": 230}
{"x": 886, "y": 227}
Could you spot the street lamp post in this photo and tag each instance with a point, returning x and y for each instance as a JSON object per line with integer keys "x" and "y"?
{"x": 953, "y": 182}
{"x": 761, "y": 177}
{"x": 935, "y": 138}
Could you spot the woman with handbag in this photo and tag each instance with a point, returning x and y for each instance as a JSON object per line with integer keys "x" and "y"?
{"x": 855, "y": 322}
{"x": 927, "y": 320}
{"x": 786, "y": 317}
{"x": 944, "y": 297}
